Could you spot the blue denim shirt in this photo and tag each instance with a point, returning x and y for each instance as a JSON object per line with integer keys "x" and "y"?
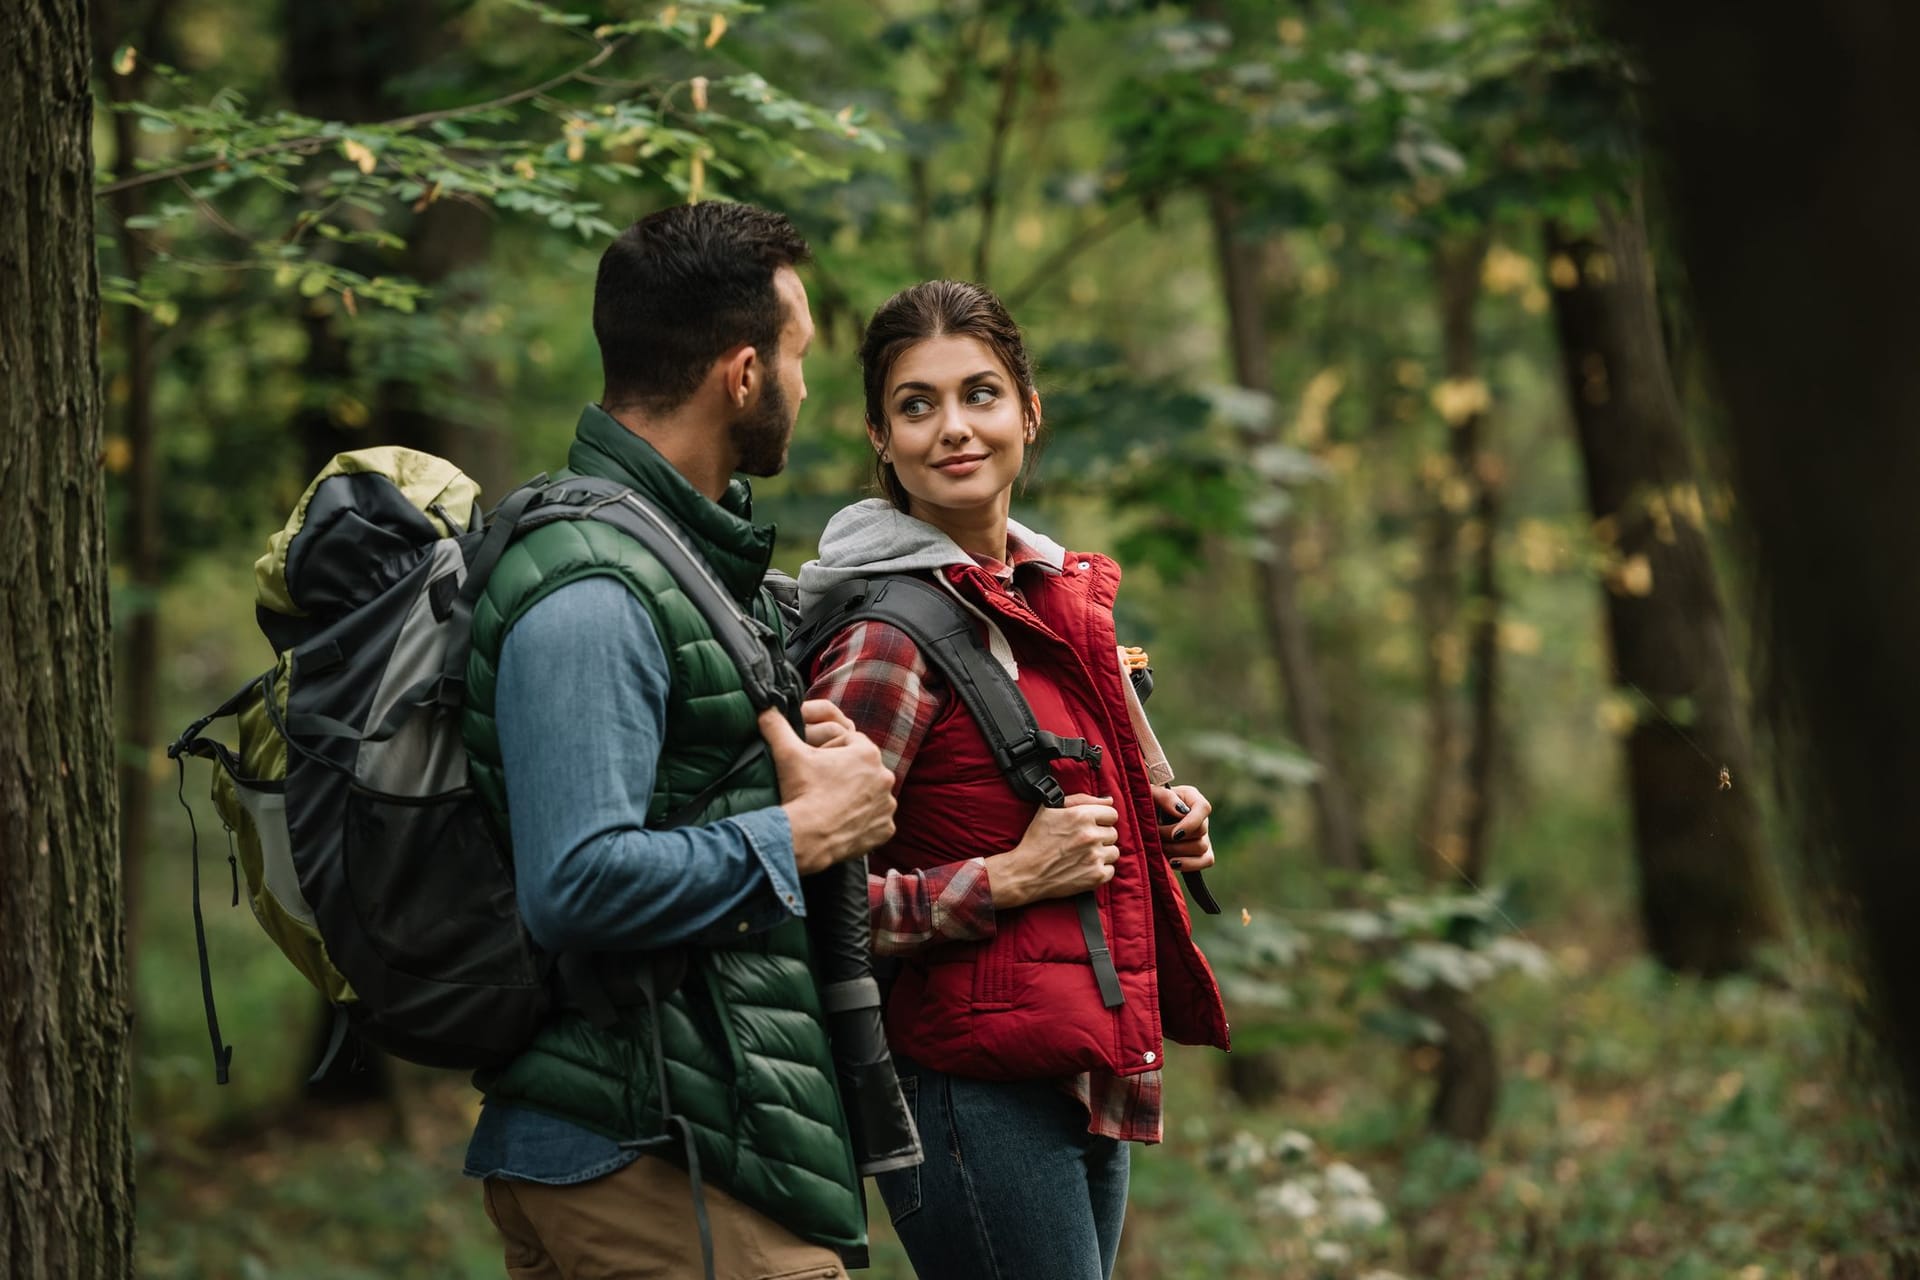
{"x": 581, "y": 705}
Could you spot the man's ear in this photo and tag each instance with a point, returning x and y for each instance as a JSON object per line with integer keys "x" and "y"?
{"x": 740, "y": 374}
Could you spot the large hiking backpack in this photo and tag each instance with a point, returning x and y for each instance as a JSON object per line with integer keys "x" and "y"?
{"x": 950, "y": 640}
{"x": 368, "y": 858}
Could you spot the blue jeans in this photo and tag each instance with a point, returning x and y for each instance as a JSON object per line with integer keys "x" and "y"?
{"x": 1013, "y": 1185}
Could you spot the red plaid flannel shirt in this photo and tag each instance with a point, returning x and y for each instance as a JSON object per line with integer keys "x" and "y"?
{"x": 875, "y": 674}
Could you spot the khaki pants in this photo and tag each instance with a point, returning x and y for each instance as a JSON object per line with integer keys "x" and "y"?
{"x": 638, "y": 1222}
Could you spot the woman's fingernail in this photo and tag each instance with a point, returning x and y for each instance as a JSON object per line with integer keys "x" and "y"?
{"x": 1181, "y": 835}
{"x": 1175, "y": 864}
{"x": 1181, "y": 809}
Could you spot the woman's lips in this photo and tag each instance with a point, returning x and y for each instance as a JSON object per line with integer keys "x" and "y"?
{"x": 965, "y": 465}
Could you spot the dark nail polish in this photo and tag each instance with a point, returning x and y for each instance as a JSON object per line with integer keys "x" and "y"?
{"x": 1175, "y": 864}
{"x": 1181, "y": 809}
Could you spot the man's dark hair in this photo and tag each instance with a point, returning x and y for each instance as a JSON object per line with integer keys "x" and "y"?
{"x": 681, "y": 287}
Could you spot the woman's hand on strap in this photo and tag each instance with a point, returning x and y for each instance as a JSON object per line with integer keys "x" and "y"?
{"x": 1183, "y": 827}
{"x": 1065, "y": 851}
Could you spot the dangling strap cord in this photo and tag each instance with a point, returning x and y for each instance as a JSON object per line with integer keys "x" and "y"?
{"x": 644, "y": 979}
{"x": 222, "y": 1051}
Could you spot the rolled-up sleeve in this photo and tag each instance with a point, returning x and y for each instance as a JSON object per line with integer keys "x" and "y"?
{"x": 581, "y": 703}
{"x": 875, "y": 673}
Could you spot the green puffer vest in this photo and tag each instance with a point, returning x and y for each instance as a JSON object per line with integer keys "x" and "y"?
{"x": 748, "y": 1062}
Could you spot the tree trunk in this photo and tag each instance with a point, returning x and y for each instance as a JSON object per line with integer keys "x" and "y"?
{"x": 66, "y": 1160}
{"x": 445, "y": 244}
{"x": 1461, "y": 630}
{"x": 1256, "y": 1077}
{"x": 1474, "y": 461}
{"x": 140, "y": 534}
{"x": 1241, "y": 275}
{"x": 1012, "y": 72}
{"x": 1483, "y": 676}
{"x": 1467, "y": 1082}
{"x": 1788, "y": 136}
{"x": 1450, "y": 823}
{"x": 341, "y": 59}
{"x": 1706, "y": 896}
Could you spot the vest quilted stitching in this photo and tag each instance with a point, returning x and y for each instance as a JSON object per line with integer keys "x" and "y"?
{"x": 747, "y": 1057}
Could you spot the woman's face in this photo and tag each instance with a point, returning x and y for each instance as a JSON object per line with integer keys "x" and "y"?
{"x": 957, "y": 428}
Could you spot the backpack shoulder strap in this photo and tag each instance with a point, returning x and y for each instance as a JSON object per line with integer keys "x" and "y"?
{"x": 947, "y": 636}
{"x": 749, "y": 643}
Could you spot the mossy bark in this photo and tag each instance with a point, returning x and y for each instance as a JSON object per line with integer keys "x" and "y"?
{"x": 66, "y": 1159}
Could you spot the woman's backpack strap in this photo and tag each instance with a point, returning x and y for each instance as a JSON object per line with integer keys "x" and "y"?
{"x": 949, "y": 640}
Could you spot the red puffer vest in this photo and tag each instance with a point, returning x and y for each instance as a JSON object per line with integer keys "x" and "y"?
{"x": 1024, "y": 1004}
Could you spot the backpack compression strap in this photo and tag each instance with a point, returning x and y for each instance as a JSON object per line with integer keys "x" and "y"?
{"x": 946, "y": 636}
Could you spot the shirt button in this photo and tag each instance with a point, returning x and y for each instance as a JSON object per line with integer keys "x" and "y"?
{"x": 742, "y": 927}
{"x": 1084, "y": 566}
{"x": 1151, "y": 1055}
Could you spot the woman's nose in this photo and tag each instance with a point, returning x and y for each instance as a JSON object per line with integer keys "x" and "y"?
{"x": 954, "y": 427}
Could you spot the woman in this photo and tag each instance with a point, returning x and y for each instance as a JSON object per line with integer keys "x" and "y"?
{"x": 1027, "y": 1088}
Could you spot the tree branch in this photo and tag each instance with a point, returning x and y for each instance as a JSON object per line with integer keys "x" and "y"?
{"x": 313, "y": 142}
{"x": 1063, "y": 257}
{"x": 996, "y": 158}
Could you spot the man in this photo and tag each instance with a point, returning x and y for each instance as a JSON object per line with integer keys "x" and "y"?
{"x": 602, "y": 699}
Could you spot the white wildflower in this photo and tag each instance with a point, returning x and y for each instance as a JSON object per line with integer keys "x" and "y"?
{"x": 1423, "y": 964}
{"x": 1359, "y": 1213}
{"x": 1332, "y": 1252}
{"x": 1292, "y": 1197}
{"x": 1345, "y": 1180}
{"x": 1520, "y": 955}
{"x": 1292, "y": 1145}
{"x": 1243, "y": 1151}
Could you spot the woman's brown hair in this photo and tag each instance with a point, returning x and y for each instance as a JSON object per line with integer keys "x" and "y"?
{"x": 938, "y": 308}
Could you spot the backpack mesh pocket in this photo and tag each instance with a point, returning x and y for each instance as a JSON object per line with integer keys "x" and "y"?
{"x": 449, "y": 917}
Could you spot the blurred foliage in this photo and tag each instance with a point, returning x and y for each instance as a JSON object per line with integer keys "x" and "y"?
{"x": 1063, "y": 150}
{"x": 1327, "y": 977}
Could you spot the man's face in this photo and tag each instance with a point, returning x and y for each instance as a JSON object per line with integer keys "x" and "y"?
{"x": 764, "y": 428}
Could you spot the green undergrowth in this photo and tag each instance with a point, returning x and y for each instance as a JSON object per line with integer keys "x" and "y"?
{"x": 1647, "y": 1127}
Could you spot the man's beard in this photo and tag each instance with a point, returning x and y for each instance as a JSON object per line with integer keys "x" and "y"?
{"x": 760, "y": 435}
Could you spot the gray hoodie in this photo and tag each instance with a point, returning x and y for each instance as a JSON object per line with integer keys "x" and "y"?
{"x": 874, "y": 536}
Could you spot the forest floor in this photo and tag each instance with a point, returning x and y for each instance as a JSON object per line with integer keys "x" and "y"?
{"x": 1647, "y": 1127}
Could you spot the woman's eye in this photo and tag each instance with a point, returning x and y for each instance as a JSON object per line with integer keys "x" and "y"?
{"x": 981, "y": 395}
{"x": 915, "y": 406}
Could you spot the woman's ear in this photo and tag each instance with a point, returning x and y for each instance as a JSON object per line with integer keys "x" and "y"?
{"x": 1033, "y": 416}
{"x": 875, "y": 438}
